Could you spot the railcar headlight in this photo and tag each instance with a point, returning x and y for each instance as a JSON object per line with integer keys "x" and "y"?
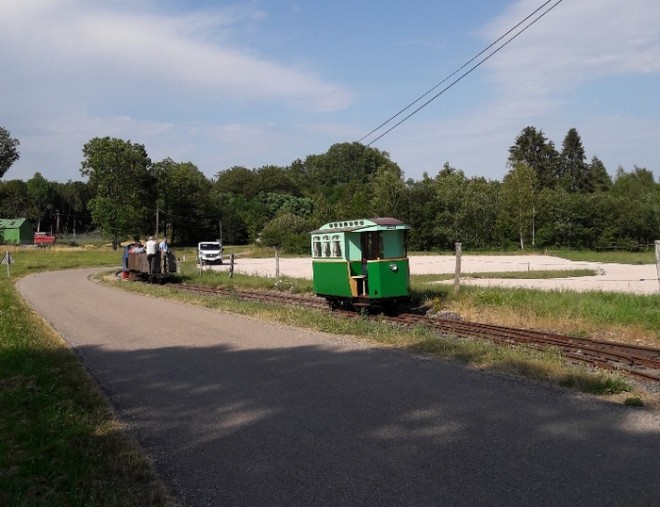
{"x": 394, "y": 267}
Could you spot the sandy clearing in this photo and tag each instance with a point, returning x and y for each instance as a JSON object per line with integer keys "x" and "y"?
{"x": 637, "y": 279}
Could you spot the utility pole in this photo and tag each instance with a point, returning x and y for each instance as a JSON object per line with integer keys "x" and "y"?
{"x": 157, "y": 214}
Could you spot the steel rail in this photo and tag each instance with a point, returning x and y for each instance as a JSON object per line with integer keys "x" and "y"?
{"x": 636, "y": 360}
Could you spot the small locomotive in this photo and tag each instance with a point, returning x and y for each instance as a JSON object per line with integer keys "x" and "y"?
{"x": 136, "y": 265}
{"x": 361, "y": 263}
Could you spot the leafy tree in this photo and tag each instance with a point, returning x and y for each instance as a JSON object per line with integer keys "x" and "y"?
{"x": 238, "y": 181}
{"x": 423, "y": 206}
{"x": 14, "y": 201}
{"x": 41, "y": 195}
{"x": 597, "y": 178}
{"x": 636, "y": 211}
{"x": 635, "y": 183}
{"x": 184, "y": 202}
{"x": 231, "y": 209}
{"x": 8, "y": 151}
{"x": 119, "y": 173}
{"x": 477, "y": 220}
{"x": 534, "y": 149}
{"x": 573, "y": 170}
{"x": 344, "y": 163}
{"x": 278, "y": 204}
{"x": 568, "y": 219}
{"x": 340, "y": 180}
{"x": 450, "y": 188}
{"x": 71, "y": 200}
{"x": 517, "y": 203}
{"x": 287, "y": 232}
{"x": 389, "y": 191}
{"x": 276, "y": 180}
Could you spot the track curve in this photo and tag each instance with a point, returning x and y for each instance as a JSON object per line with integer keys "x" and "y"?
{"x": 638, "y": 361}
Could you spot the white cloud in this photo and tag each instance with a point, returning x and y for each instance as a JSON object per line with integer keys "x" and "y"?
{"x": 574, "y": 43}
{"x": 120, "y": 51}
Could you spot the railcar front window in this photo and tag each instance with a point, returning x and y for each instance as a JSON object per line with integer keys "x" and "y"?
{"x": 336, "y": 247}
{"x": 372, "y": 246}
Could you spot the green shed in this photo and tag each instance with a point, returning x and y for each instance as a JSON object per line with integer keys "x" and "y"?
{"x": 16, "y": 231}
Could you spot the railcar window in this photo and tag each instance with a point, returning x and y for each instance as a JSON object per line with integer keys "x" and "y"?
{"x": 336, "y": 247}
{"x": 326, "y": 246}
{"x": 316, "y": 247}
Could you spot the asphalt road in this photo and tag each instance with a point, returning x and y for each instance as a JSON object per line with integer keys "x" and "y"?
{"x": 234, "y": 411}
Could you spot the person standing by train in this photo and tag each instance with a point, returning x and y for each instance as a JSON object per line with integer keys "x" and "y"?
{"x": 164, "y": 250}
{"x": 151, "y": 248}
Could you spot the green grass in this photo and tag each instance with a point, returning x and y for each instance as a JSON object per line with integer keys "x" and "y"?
{"x": 607, "y": 308}
{"x": 59, "y": 442}
{"x": 616, "y": 256}
{"x": 511, "y": 275}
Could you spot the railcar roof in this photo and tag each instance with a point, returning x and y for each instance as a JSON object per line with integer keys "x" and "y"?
{"x": 363, "y": 225}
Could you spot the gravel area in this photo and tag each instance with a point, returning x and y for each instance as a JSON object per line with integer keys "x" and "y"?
{"x": 637, "y": 279}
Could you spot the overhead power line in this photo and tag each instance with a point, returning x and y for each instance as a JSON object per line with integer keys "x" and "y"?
{"x": 470, "y": 70}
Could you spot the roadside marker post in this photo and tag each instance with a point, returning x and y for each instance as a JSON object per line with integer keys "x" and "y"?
{"x": 7, "y": 259}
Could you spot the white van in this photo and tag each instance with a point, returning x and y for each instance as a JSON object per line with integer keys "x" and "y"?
{"x": 209, "y": 252}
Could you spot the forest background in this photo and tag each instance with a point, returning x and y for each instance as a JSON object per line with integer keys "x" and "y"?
{"x": 549, "y": 198}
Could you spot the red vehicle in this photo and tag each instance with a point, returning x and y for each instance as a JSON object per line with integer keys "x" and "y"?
{"x": 43, "y": 239}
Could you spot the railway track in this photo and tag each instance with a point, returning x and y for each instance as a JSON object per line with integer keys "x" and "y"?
{"x": 638, "y": 361}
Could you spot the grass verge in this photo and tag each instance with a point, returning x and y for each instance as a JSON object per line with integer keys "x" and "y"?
{"x": 59, "y": 441}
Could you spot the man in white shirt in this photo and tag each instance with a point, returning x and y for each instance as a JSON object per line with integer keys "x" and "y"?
{"x": 151, "y": 252}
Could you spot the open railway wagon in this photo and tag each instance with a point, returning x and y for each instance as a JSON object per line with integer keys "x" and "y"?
{"x": 362, "y": 263}
{"x": 135, "y": 265}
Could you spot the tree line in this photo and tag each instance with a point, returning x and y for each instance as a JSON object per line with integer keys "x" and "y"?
{"x": 549, "y": 198}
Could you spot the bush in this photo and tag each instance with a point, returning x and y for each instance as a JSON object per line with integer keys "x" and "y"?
{"x": 287, "y": 232}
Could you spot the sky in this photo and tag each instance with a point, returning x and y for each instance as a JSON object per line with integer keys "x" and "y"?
{"x": 266, "y": 82}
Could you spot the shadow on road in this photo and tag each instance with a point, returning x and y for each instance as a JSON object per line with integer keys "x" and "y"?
{"x": 318, "y": 426}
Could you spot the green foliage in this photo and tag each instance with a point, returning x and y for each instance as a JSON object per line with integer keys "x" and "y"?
{"x": 184, "y": 202}
{"x": 60, "y": 444}
{"x": 634, "y": 401}
{"x": 119, "y": 172}
{"x": 14, "y": 201}
{"x": 546, "y": 200}
{"x": 389, "y": 192}
{"x": 518, "y": 201}
{"x": 287, "y": 232}
{"x": 573, "y": 171}
{"x": 8, "y": 151}
{"x": 533, "y": 149}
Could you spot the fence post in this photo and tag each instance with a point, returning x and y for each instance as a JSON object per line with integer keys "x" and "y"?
{"x": 457, "y": 272}
{"x": 657, "y": 260}
{"x": 277, "y": 262}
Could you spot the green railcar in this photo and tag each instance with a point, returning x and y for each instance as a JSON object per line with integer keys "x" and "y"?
{"x": 361, "y": 262}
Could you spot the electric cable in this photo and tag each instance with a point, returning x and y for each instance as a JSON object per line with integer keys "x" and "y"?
{"x": 490, "y": 55}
